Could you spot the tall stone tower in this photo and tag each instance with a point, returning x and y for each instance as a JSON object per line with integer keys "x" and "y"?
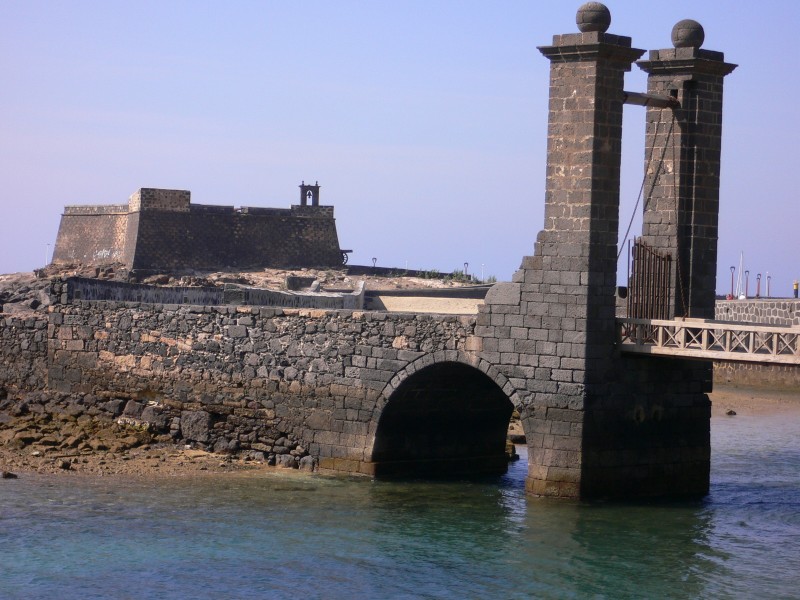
{"x": 598, "y": 423}
{"x": 563, "y": 335}
{"x": 682, "y": 148}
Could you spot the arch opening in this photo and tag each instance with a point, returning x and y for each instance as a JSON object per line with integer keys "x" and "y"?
{"x": 446, "y": 419}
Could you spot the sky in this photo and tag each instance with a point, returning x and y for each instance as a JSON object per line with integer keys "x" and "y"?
{"x": 424, "y": 121}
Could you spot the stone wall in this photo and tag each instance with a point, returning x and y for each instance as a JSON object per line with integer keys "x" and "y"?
{"x": 781, "y": 312}
{"x": 160, "y": 229}
{"x": 23, "y": 351}
{"x": 220, "y": 237}
{"x": 279, "y": 381}
{"x": 763, "y": 311}
{"x": 161, "y": 200}
{"x": 81, "y": 288}
{"x": 92, "y": 235}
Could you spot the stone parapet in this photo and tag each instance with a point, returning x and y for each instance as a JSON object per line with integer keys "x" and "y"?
{"x": 763, "y": 311}
{"x": 146, "y": 199}
{"x": 82, "y": 289}
{"x": 88, "y": 210}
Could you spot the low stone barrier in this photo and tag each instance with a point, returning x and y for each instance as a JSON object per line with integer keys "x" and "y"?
{"x": 767, "y": 311}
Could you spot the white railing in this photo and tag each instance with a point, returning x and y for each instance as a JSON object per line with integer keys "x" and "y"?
{"x": 713, "y": 340}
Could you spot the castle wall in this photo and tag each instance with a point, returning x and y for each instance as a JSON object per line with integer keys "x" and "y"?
{"x": 158, "y": 199}
{"x": 93, "y": 235}
{"x": 211, "y": 237}
{"x": 160, "y": 229}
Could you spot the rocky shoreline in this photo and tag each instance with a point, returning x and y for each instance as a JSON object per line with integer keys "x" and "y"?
{"x": 71, "y": 442}
{"x": 45, "y": 433}
{"x": 49, "y": 433}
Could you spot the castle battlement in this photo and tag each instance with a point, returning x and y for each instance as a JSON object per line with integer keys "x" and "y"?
{"x": 156, "y": 199}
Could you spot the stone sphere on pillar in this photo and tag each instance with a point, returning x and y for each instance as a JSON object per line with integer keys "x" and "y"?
{"x": 688, "y": 34}
{"x": 593, "y": 16}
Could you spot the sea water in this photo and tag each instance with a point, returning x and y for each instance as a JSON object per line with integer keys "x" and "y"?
{"x": 306, "y": 537}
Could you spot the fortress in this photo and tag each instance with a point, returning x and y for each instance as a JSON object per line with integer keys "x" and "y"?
{"x": 162, "y": 229}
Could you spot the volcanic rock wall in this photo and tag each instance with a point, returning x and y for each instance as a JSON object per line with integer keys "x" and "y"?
{"x": 161, "y": 229}
{"x": 284, "y": 382}
{"x": 781, "y": 312}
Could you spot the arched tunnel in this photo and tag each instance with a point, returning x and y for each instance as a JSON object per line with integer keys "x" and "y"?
{"x": 445, "y": 419}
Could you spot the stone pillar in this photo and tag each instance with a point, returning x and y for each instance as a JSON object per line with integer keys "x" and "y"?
{"x": 682, "y": 154}
{"x": 568, "y": 286}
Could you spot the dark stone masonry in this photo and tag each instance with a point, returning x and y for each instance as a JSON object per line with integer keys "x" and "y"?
{"x": 764, "y": 311}
{"x": 277, "y": 381}
{"x": 388, "y": 393}
{"x": 161, "y": 229}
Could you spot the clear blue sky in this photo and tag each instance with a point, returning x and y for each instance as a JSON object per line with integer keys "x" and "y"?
{"x": 423, "y": 121}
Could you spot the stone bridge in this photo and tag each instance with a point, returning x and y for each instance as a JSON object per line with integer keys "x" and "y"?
{"x": 382, "y": 393}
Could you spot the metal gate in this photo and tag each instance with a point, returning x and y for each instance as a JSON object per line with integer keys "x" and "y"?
{"x": 649, "y": 285}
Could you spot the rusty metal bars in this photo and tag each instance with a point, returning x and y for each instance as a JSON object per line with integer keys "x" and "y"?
{"x": 649, "y": 286}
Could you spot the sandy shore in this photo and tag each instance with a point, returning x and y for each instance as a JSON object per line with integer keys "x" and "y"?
{"x": 753, "y": 401}
{"x": 166, "y": 460}
{"x": 147, "y": 461}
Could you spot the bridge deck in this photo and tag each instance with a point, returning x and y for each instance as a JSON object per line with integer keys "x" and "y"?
{"x": 710, "y": 340}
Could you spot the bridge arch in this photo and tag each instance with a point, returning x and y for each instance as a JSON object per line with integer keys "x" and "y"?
{"x": 445, "y": 413}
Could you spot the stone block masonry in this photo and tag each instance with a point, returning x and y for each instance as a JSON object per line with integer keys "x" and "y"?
{"x": 23, "y": 351}
{"x": 598, "y": 424}
{"x": 244, "y": 378}
{"x": 81, "y": 288}
{"x": 161, "y": 229}
{"x": 765, "y": 311}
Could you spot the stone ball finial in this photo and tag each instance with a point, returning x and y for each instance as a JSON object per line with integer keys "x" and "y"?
{"x": 593, "y": 16}
{"x": 688, "y": 34}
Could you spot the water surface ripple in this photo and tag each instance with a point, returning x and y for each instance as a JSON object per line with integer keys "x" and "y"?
{"x": 293, "y": 536}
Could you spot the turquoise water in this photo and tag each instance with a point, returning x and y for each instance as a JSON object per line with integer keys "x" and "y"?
{"x": 305, "y": 537}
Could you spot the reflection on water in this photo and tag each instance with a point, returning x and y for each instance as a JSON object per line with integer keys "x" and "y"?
{"x": 290, "y": 536}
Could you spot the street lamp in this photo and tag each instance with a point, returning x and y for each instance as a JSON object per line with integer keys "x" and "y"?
{"x": 732, "y": 270}
{"x": 769, "y": 278}
{"x": 466, "y": 268}
{"x": 374, "y": 261}
{"x": 758, "y": 285}
{"x": 746, "y": 283}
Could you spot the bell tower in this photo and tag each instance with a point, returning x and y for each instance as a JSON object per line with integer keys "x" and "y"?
{"x": 309, "y": 192}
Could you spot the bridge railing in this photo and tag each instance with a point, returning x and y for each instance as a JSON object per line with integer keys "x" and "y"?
{"x": 712, "y": 340}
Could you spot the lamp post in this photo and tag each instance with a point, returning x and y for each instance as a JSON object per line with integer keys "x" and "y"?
{"x": 732, "y": 270}
{"x": 746, "y": 283}
{"x": 758, "y": 285}
{"x": 466, "y": 268}
{"x": 374, "y": 261}
{"x": 769, "y": 279}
